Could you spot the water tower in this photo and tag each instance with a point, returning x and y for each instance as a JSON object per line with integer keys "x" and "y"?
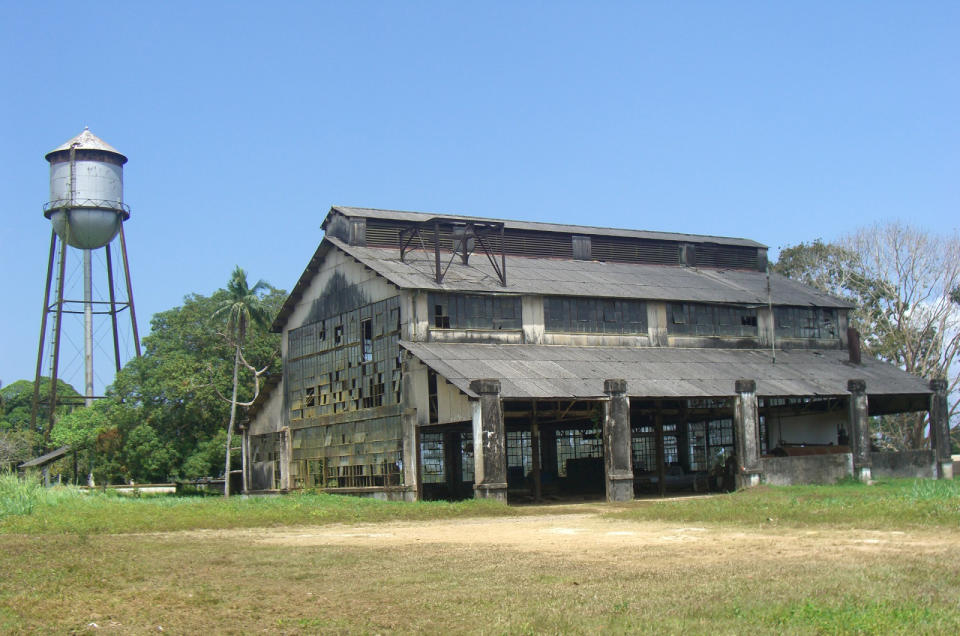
{"x": 87, "y": 212}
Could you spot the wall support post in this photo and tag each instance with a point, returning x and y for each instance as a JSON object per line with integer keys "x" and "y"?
{"x": 746, "y": 428}
{"x": 617, "y": 452}
{"x": 489, "y": 441}
{"x": 940, "y": 428}
{"x": 860, "y": 430}
{"x": 410, "y": 453}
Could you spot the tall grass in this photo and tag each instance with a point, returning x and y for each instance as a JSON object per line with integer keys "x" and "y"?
{"x": 22, "y": 496}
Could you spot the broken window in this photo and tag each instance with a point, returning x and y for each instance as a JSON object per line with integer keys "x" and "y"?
{"x": 701, "y": 319}
{"x": 566, "y": 314}
{"x": 710, "y": 443}
{"x": 475, "y": 311}
{"x": 431, "y": 458}
{"x": 366, "y": 340}
{"x": 440, "y": 318}
{"x": 575, "y": 448}
{"x": 805, "y": 322}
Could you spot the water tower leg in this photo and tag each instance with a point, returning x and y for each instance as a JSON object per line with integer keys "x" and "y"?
{"x": 126, "y": 273}
{"x": 56, "y": 343}
{"x": 88, "y": 327}
{"x": 34, "y": 407}
{"x": 113, "y": 308}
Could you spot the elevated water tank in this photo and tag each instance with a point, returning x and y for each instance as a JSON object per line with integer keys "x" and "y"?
{"x": 86, "y": 191}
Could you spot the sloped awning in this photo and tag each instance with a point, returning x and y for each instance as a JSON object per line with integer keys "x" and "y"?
{"x": 46, "y": 458}
{"x": 561, "y": 372}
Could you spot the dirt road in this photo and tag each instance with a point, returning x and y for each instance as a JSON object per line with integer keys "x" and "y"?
{"x": 587, "y": 534}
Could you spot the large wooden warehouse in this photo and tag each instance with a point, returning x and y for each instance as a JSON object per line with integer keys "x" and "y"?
{"x": 434, "y": 356}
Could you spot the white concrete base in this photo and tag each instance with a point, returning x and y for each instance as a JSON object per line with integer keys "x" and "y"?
{"x": 748, "y": 480}
{"x": 945, "y": 470}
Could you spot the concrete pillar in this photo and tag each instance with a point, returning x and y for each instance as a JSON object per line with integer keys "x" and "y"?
{"x": 940, "y": 429}
{"x": 860, "y": 430}
{"x": 244, "y": 450}
{"x": 489, "y": 442}
{"x": 410, "y": 455}
{"x": 286, "y": 459}
{"x": 746, "y": 433}
{"x": 617, "y": 452}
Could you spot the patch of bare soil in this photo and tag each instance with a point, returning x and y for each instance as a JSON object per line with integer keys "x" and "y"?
{"x": 586, "y": 534}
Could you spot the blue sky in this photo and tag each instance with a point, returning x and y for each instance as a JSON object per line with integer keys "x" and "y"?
{"x": 245, "y": 121}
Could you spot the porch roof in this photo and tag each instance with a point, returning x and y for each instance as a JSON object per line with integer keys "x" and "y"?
{"x": 557, "y": 372}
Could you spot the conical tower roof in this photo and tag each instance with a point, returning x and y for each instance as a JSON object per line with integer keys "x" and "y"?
{"x": 85, "y": 141}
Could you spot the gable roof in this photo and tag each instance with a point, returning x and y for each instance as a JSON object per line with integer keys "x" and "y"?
{"x": 563, "y": 277}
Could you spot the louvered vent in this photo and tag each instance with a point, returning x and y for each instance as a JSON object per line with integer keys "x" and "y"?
{"x": 726, "y": 257}
{"x": 534, "y": 244}
{"x": 621, "y": 250}
{"x": 520, "y": 243}
{"x": 383, "y": 233}
{"x": 380, "y": 234}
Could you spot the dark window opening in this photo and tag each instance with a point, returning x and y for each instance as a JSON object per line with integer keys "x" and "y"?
{"x": 432, "y": 390}
{"x": 366, "y": 340}
{"x": 440, "y": 318}
{"x": 338, "y": 335}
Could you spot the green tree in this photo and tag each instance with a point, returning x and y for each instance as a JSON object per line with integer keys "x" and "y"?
{"x": 163, "y": 416}
{"x": 905, "y": 285}
{"x": 242, "y": 308}
{"x": 16, "y": 401}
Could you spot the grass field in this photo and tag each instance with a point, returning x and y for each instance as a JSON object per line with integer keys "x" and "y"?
{"x": 840, "y": 559}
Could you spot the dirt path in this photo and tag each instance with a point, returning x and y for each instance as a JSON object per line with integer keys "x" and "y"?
{"x": 588, "y": 535}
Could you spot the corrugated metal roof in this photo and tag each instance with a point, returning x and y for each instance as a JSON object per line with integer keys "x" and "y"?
{"x": 418, "y": 217}
{"x": 86, "y": 141}
{"x": 553, "y": 371}
{"x": 564, "y": 277}
{"x": 46, "y": 458}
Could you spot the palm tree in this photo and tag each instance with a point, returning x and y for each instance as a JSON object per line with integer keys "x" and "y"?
{"x": 242, "y": 307}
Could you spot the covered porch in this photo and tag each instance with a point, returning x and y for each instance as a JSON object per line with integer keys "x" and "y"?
{"x": 556, "y": 422}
